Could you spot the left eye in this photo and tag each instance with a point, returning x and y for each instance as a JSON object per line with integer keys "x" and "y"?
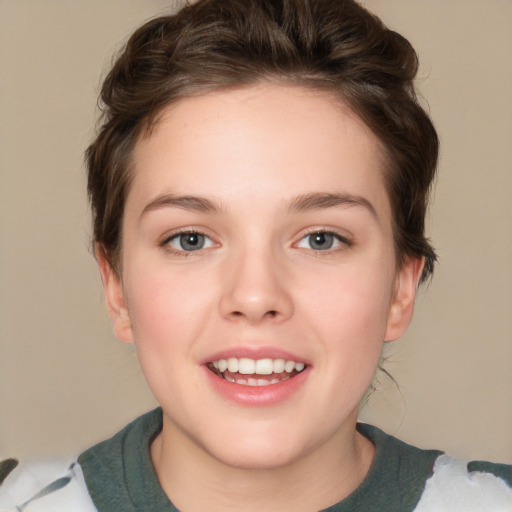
{"x": 189, "y": 241}
{"x": 321, "y": 241}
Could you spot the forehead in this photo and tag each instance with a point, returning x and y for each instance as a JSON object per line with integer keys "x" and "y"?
{"x": 258, "y": 142}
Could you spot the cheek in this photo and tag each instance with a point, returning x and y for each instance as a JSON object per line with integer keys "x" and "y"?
{"x": 168, "y": 314}
{"x": 347, "y": 315}
{"x": 167, "y": 307}
{"x": 349, "y": 301}
{"x": 344, "y": 317}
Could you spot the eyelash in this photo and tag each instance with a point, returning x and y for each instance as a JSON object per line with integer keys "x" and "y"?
{"x": 165, "y": 243}
{"x": 343, "y": 241}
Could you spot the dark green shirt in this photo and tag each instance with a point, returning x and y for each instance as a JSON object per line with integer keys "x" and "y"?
{"x": 120, "y": 476}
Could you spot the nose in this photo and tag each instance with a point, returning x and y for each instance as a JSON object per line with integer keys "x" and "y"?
{"x": 255, "y": 289}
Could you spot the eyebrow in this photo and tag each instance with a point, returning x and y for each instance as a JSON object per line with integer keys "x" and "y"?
{"x": 321, "y": 200}
{"x": 191, "y": 203}
{"x": 301, "y": 203}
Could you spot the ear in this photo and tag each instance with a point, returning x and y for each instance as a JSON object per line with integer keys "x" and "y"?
{"x": 402, "y": 304}
{"x": 114, "y": 294}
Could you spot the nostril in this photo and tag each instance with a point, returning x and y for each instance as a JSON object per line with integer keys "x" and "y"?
{"x": 253, "y": 314}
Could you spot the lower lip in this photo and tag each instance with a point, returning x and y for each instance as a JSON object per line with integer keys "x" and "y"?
{"x": 256, "y": 395}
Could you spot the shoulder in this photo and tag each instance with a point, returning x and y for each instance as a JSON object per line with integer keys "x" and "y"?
{"x": 503, "y": 471}
{"x": 407, "y": 478}
{"x": 118, "y": 471}
{"x": 457, "y": 486}
{"x": 110, "y": 451}
{"x": 397, "y": 475}
{"x": 44, "y": 486}
{"x": 107, "y": 457}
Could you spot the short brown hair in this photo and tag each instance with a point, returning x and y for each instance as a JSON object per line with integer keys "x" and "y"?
{"x": 332, "y": 45}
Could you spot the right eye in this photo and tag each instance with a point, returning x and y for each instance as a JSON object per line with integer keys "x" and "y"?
{"x": 189, "y": 241}
{"x": 323, "y": 241}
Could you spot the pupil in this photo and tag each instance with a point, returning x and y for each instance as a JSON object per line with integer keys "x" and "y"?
{"x": 321, "y": 241}
{"x": 191, "y": 241}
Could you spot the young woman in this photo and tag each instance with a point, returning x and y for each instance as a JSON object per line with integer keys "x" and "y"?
{"x": 259, "y": 187}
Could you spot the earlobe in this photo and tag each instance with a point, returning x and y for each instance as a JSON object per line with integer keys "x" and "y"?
{"x": 114, "y": 294}
{"x": 402, "y": 304}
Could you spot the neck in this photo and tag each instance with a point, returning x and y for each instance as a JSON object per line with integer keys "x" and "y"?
{"x": 194, "y": 480}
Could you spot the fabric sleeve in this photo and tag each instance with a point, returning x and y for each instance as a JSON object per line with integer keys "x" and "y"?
{"x": 503, "y": 471}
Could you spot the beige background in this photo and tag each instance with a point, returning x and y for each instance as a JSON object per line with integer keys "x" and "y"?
{"x": 65, "y": 382}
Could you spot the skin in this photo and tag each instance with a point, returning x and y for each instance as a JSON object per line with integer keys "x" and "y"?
{"x": 251, "y": 154}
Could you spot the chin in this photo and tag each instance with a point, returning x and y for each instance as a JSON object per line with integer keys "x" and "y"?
{"x": 259, "y": 451}
{"x": 256, "y": 459}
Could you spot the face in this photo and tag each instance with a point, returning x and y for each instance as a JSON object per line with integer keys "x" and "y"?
{"x": 258, "y": 272}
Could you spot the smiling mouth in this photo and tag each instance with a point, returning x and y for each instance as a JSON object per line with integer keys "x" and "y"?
{"x": 255, "y": 372}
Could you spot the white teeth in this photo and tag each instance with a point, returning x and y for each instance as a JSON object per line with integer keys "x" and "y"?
{"x": 278, "y": 365}
{"x": 264, "y": 367}
{"x": 258, "y": 382}
{"x": 289, "y": 366}
{"x": 267, "y": 366}
{"x": 246, "y": 366}
{"x": 233, "y": 364}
